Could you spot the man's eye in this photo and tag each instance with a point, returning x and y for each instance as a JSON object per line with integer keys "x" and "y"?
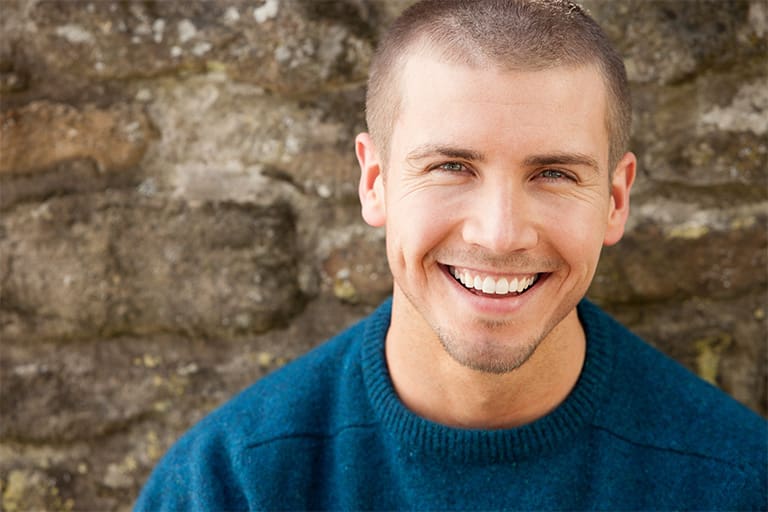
{"x": 555, "y": 175}
{"x": 452, "y": 167}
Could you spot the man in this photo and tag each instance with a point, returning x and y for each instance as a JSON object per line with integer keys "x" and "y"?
{"x": 496, "y": 162}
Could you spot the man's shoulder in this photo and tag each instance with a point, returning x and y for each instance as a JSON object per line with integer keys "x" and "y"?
{"x": 658, "y": 404}
{"x": 296, "y": 396}
{"x": 309, "y": 398}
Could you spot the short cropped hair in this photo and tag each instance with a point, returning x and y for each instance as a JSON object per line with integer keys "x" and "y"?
{"x": 515, "y": 35}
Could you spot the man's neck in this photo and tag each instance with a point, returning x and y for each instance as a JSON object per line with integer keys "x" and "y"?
{"x": 433, "y": 385}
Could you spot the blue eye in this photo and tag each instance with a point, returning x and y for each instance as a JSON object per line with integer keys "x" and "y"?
{"x": 452, "y": 167}
{"x": 555, "y": 175}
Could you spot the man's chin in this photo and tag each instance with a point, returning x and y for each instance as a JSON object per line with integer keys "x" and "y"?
{"x": 488, "y": 355}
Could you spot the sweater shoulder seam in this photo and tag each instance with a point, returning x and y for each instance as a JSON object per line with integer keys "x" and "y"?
{"x": 743, "y": 467}
{"x": 308, "y": 434}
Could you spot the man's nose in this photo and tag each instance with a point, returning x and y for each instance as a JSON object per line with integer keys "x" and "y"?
{"x": 501, "y": 220}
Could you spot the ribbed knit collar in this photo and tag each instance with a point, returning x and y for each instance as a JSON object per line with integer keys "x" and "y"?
{"x": 484, "y": 446}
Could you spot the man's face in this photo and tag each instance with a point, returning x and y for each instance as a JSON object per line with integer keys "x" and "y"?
{"x": 496, "y": 200}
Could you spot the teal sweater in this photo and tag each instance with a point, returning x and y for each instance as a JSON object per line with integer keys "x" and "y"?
{"x": 328, "y": 432}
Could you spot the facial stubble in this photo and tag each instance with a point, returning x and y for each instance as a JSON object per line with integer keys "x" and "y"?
{"x": 488, "y": 355}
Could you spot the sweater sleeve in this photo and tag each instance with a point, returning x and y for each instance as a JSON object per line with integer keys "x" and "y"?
{"x": 198, "y": 474}
{"x": 754, "y": 494}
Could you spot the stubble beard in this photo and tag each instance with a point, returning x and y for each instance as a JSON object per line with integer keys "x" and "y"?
{"x": 492, "y": 355}
{"x": 489, "y": 355}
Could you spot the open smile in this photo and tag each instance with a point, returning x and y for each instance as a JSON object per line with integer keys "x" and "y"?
{"x": 496, "y": 286}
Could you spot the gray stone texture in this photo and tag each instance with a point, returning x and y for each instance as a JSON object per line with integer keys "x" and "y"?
{"x": 179, "y": 217}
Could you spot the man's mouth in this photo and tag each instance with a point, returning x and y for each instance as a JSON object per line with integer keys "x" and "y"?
{"x": 498, "y": 285}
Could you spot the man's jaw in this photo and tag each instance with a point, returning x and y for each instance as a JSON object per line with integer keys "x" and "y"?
{"x": 496, "y": 285}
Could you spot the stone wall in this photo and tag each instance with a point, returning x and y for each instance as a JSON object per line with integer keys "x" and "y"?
{"x": 178, "y": 213}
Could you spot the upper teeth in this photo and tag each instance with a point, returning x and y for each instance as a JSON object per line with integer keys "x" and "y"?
{"x": 488, "y": 284}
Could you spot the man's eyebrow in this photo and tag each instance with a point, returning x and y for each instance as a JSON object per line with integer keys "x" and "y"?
{"x": 562, "y": 159}
{"x": 429, "y": 150}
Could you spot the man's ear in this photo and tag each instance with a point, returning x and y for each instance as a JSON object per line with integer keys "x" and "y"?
{"x": 371, "y": 188}
{"x": 621, "y": 184}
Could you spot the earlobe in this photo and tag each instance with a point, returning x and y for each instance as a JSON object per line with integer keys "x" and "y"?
{"x": 371, "y": 188}
{"x": 621, "y": 184}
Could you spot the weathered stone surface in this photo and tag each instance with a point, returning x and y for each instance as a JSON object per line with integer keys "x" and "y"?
{"x": 42, "y": 134}
{"x": 90, "y": 265}
{"x": 179, "y": 216}
{"x": 53, "y": 271}
{"x": 676, "y": 251}
{"x": 79, "y": 393}
{"x": 355, "y": 266}
{"x": 64, "y": 178}
{"x": 221, "y": 140}
{"x": 56, "y": 149}
{"x": 31, "y": 489}
{"x": 291, "y": 47}
{"x": 667, "y": 41}
{"x": 67, "y": 393}
{"x": 708, "y": 132}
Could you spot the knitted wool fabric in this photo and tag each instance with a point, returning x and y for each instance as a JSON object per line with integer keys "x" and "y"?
{"x": 637, "y": 432}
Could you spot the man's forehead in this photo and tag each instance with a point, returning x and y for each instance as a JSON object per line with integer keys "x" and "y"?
{"x": 421, "y": 66}
{"x": 429, "y": 82}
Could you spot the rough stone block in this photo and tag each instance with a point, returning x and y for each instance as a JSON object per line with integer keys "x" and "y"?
{"x": 683, "y": 136}
{"x": 42, "y": 134}
{"x": 33, "y": 489}
{"x": 669, "y": 41}
{"x": 121, "y": 263}
{"x": 54, "y": 149}
{"x": 355, "y": 267}
{"x": 704, "y": 256}
{"x": 54, "y": 270}
{"x": 225, "y": 141}
{"x": 289, "y": 46}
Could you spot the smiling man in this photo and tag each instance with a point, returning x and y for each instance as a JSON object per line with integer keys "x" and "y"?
{"x": 497, "y": 194}
{"x": 497, "y": 163}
